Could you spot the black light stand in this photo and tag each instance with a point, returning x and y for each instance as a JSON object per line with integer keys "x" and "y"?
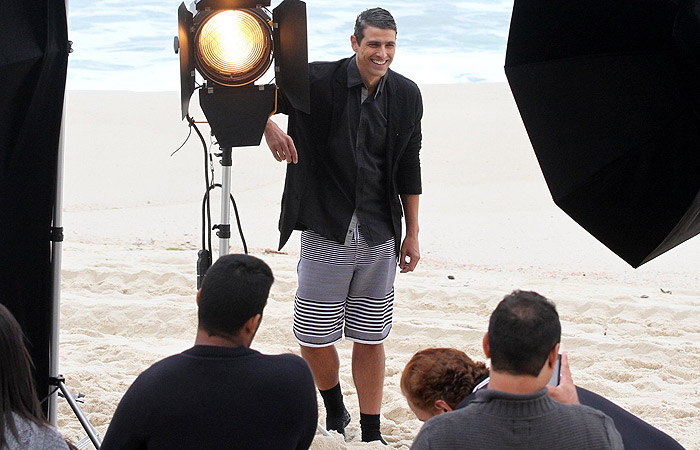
{"x": 57, "y": 380}
{"x": 224, "y": 227}
{"x": 60, "y": 383}
{"x": 237, "y": 118}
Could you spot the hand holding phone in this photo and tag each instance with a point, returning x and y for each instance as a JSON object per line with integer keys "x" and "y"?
{"x": 565, "y": 392}
{"x": 554, "y": 381}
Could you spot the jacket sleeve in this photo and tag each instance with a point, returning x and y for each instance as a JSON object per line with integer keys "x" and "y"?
{"x": 408, "y": 177}
{"x": 282, "y": 105}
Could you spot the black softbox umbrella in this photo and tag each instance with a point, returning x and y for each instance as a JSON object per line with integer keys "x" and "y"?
{"x": 33, "y": 63}
{"x": 608, "y": 93}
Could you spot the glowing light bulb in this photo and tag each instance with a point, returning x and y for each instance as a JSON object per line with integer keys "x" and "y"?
{"x": 234, "y": 47}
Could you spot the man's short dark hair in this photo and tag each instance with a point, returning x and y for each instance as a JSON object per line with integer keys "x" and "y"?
{"x": 234, "y": 289}
{"x": 523, "y": 329}
{"x": 374, "y": 17}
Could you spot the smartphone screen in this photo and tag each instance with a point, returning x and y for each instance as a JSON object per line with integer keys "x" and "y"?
{"x": 554, "y": 381}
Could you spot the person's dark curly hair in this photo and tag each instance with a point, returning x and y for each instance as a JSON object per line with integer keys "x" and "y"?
{"x": 440, "y": 374}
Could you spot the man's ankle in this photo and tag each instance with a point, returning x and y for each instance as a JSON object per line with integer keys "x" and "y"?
{"x": 333, "y": 401}
{"x": 371, "y": 428}
{"x": 337, "y": 417}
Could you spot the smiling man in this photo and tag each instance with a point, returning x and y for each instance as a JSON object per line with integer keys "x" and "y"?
{"x": 353, "y": 172}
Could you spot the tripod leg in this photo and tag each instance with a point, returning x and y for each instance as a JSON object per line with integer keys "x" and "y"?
{"x": 323, "y": 431}
{"x": 79, "y": 414}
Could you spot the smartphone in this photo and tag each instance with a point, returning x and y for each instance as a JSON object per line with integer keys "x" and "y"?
{"x": 554, "y": 381}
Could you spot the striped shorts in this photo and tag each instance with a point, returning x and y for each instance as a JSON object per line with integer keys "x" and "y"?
{"x": 344, "y": 289}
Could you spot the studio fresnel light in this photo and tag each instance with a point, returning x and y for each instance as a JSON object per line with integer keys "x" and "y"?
{"x": 234, "y": 47}
{"x": 232, "y": 44}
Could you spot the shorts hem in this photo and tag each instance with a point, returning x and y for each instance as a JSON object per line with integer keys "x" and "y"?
{"x": 365, "y": 341}
{"x": 318, "y": 344}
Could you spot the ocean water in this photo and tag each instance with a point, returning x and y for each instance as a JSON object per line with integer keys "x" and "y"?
{"x": 128, "y": 44}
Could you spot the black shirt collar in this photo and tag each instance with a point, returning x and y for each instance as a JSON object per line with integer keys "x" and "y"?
{"x": 215, "y": 351}
{"x": 354, "y": 78}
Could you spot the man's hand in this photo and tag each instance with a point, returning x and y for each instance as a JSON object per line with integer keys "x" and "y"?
{"x": 281, "y": 145}
{"x": 566, "y": 391}
{"x": 410, "y": 254}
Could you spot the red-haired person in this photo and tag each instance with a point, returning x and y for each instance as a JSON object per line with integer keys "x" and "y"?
{"x": 436, "y": 380}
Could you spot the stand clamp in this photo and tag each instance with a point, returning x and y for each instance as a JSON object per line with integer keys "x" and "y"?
{"x": 60, "y": 382}
{"x": 224, "y": 231}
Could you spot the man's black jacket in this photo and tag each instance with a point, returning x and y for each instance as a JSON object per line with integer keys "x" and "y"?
{"x": 313, "y": 176}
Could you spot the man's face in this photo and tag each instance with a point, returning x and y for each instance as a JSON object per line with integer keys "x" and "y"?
{"x": 374, "y": 53}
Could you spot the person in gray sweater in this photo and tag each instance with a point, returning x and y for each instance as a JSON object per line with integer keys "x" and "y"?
{"x": 515, "y": 411}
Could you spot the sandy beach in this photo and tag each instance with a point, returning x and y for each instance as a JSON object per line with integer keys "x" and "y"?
{"x": 488, "y": 225}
